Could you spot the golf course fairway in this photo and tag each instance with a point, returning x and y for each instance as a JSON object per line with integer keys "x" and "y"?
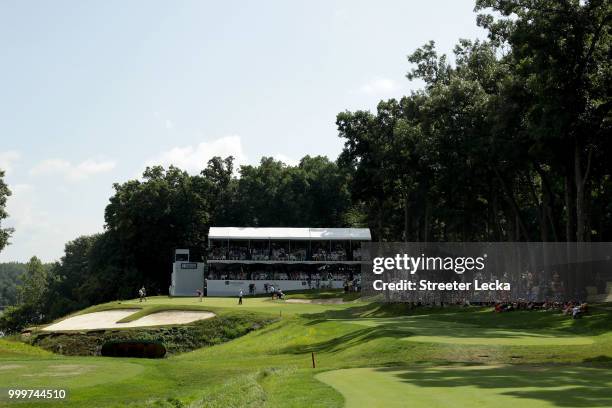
{"x": 420, "y": 329}
{"x": 367, "y": 354}
{"x": 471, "y": 386}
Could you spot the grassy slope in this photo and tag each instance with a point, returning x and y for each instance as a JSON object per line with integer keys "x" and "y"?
{"x": 271, "y": 367}
{"x": 176, "y": 339}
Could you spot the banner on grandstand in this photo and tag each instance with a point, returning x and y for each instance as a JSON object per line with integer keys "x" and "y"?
{"x": 487, "y": 271}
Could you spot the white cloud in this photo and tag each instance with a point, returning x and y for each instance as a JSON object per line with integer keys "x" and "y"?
{"x": 169, "y": 124}
{"x": 193, "y": 158}
{"x": 7, "y": 158}
{"x": 286, "y": 159}
{"x": 72, "y": 172}
{"x": 380, "y": 86}
{"x": 20, "y": 207}
{"x": 44, "y": 221}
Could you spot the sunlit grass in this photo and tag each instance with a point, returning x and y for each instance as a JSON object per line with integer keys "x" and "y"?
{"x": 274, "y": 363}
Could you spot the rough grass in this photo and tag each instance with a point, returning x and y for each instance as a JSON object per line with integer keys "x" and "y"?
{"x": 11, "y": 348}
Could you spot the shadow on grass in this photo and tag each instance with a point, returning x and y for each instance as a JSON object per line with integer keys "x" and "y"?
{"x": 425, "y": 329}
{"x": 348, "y": 340}
{"x": 597, "y": 321}
{"x": 599, "y": 360}
{"x": 563, "y": 386}
{"x": 398, "y": 321}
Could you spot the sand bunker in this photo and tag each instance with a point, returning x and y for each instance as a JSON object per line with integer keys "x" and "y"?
{"x": 316, "y": 301}
{"x": 169, "y": 317}
{"x": 108, "y": 319}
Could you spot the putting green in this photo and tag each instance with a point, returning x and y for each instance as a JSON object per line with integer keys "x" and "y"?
{"x": 472, "y": 386}
{"x": 419, "y": 329}
{"x": 263, "y": 305}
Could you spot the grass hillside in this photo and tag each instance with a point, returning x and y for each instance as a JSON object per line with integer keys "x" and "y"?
{"x": 176, "y": 339}
{"x": 384, "y": 355}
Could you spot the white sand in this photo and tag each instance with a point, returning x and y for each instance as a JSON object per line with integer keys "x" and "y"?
{"x": 108, "y": 319}
{"x": 168, "y": 317}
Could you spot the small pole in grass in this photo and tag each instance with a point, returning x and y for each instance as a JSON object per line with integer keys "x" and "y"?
{"x": 280, "y": 313}
{"x": 313, "y": 361}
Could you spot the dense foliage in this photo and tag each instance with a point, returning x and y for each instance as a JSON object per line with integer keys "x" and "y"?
{"x": 10, "y": 273}
{"x": 510, "y": 143}
{"x": 31, "y": 298}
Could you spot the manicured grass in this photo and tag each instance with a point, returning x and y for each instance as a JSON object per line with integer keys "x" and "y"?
{"x": 520, "y": 358}
{"x": 470, "y": 386}
{"x": 220, "y": 305}
{"x": 325, "y": 294}
{"x": 423, "y": 329}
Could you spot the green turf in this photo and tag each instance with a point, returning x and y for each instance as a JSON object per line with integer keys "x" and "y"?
{"x": 15, "y": 349}
{"x": 421, "y": 329}
{"x": 528, "y": 358}
{"x": 472, "y": 386}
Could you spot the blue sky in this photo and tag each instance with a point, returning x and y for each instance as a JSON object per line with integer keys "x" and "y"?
{"x": 93, "y": 91}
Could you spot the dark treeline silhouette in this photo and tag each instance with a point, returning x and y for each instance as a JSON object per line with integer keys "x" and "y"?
{"x": 510, "y": 142}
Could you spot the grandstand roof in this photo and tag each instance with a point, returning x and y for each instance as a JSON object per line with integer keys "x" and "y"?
{"x": 355, "y": 234}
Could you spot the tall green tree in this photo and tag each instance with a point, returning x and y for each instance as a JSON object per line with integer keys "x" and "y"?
{"x": 150, "y": 218}
{"x": 32, "y": 295}
{"x": 5, "y": 192}
{"x": 10, "y": 279}
{"x": 34, "y": 285}
{"x": 562, "y": 51}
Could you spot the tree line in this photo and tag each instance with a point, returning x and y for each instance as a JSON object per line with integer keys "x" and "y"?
{"x": 508, "y": 140}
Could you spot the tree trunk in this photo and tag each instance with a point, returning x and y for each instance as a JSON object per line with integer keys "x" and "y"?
{"x": 514, "y": 206}
{"x": 496, "y": 222}
{"x": 548, "y": 200}
{"x": 581, "y": 179}
{"x": 426, "y": 222}
{"x": 570, "y": 209}
{"x": 540, "y": 210}
{"x": 406, "y": 200}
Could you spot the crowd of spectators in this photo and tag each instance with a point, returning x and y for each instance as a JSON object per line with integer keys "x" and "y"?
{"x": 243, "y": 253}
{"x": 266, "y": 275}
{"x": 572, "y": 308}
